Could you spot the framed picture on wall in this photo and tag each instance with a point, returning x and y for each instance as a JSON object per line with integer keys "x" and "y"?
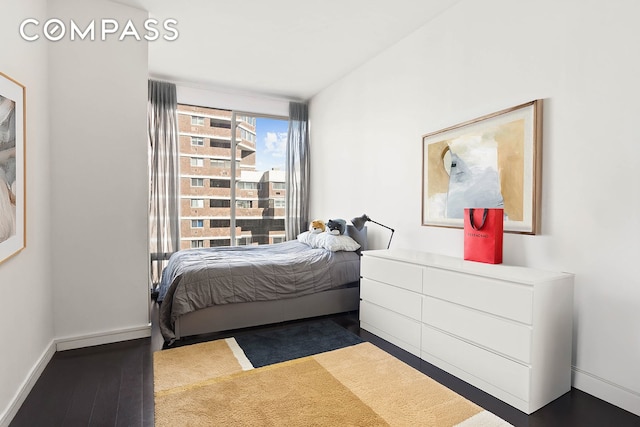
{"x": 12, "y": 167}
{"x": 491, "y": 161}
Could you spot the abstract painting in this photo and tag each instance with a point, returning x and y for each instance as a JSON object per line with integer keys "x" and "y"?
{"x": 12, "y": 167}
{"x": 491, "y": 161}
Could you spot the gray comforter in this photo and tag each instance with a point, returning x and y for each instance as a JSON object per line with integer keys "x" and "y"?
{"x": 199, "y": 278}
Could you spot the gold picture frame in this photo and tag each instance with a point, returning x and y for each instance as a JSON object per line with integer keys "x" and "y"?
{"x": 491, "y": 161}
{"x": 12, "y": 167}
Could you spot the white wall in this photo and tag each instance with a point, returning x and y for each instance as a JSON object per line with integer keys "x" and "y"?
{"x": 98, "y": 179}
{"x": 189, "y": 93}
{"x": 26, "y": 315}
{"x": 83, "y": 277}
{"x": 481, "y": 57}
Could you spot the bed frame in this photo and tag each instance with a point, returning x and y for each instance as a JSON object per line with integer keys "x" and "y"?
{"x": 235, "y": 316}
{"x": 242, "y": 315}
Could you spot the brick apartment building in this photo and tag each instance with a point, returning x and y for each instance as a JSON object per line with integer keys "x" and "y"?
{"x": 207, "y": 180}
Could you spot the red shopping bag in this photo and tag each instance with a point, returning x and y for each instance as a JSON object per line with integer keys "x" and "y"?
{"x": 483, "y": 230}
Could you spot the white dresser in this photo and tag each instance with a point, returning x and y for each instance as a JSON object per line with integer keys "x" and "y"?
{"x": 504, "y": 329}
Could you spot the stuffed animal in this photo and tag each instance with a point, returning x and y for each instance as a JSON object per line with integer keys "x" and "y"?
{"x": 336, "y": 226}
{"x": 317, "y": 226}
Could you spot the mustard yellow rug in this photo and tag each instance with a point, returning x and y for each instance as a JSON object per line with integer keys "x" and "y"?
{"x": 213, "y": 384}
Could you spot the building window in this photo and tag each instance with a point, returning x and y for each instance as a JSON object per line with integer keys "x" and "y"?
{"x": 247, "y": 185}
{"x": 278, "y": 239}
{"x": 197, "y": 120}
{"x": 279, "y": 186}
{"x": 197, "y": 223}
{"x": 244, "y": 241}
{"x": 278, "y": 203}
{"x": 219, "y": 183}
{"x": 220, "y": 223}
{"x": 219, "y": 143}
{"x": 197, "y": 244}
{"x": 197, "y": 182}
{"x": 250, "y": 120}
{"x": 217, "y": 163}
{"x": 243, "y": 203}
{"x": 197, "y": 203}
{"x": 223, "y": 124}
{"x": 197, "y": 162}
{"x": 218, "y": 203}
{"x": 219, "y": 242}
{"x": 197, "y": 141}
{"x": 247, "y": 136}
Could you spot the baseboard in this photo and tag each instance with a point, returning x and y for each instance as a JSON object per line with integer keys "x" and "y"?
{"x": 27, "y": 385}
{"x": 615, "y": 394}
{"x": 70, "y": 343}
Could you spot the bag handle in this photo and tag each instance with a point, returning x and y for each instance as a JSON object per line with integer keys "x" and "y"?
{"x": 484, "y": 218}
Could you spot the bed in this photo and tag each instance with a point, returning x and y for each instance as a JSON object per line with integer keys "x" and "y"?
{"x": 217, "y": 289}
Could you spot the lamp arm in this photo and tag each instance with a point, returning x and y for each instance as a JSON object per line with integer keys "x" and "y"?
{"x": 382, "y": 225}
{"x": 392, "y": 231}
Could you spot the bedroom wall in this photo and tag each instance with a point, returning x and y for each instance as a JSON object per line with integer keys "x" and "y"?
{"x": 98, "y": 180}
{"x": 481, "y": 57}
{"x": 25, "y": 279}
{"x": 224, "y": 98}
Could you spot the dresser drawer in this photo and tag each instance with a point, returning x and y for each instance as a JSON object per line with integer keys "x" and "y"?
{"x": 475, "y": 362}
{"x": 395, "y": 299}
{"x": 400, "y": 274}
{"x": 391, "y": 326}
{"x": 506, "y": 299}
{"x": 503, "y": 336}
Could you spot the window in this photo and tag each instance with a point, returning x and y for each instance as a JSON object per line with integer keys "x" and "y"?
{"x": 244, "y": 241}
{"x": 279, "y": 239}
{"x": 255, "y": 153}
{"x": 247, "y": 136}
{"x": 218, "y": 203}
{"x": 247, "y": 185}
{"x": 223, "y": 124}
{"x": 197, "y": 244}
{"x": 220, "y": 223}
{"x": 216, "y": 163}
{"x": 220, "y": 183}
{"x": 246, "y": 119}
{"x": 219, "y": 143}
{"x": 219, "y": 242}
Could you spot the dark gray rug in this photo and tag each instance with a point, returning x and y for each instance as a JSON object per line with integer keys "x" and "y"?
{"x": 292, "y": 342}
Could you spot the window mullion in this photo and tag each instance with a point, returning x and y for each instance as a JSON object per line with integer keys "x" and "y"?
{"x": 232, "y": 225}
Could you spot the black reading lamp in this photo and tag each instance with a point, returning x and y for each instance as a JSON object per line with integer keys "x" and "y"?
{"x": 359, "y": 222}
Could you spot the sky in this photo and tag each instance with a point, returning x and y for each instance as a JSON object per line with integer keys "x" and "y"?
{"x": 271, "y": 140}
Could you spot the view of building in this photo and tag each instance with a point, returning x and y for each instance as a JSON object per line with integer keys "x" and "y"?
{"x": 224, "y": 199}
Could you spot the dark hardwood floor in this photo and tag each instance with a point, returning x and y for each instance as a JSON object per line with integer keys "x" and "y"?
{"x": 112, "y": 385}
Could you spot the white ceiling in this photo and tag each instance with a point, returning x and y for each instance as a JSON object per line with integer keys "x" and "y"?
{"x": 288, "y": 48}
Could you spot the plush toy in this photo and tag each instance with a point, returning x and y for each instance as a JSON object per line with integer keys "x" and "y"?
{"x": 336, "y": 226}
{"x": 317, "y": 226}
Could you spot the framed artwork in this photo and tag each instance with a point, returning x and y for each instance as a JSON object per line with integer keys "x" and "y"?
{"x": 12, "y": 167}
{"x": 491, "y": 161}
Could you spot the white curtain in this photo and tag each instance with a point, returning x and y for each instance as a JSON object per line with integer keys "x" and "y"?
{"x": 164, "y": 232}
{"x": 297, "y": 174}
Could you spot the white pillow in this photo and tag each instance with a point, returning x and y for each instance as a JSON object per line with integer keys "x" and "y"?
{"x": 309, "y": 238}
{"x": 329, "y": 241}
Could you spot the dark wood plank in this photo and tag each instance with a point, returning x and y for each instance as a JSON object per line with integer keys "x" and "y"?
{"x": 130, "y": 401}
